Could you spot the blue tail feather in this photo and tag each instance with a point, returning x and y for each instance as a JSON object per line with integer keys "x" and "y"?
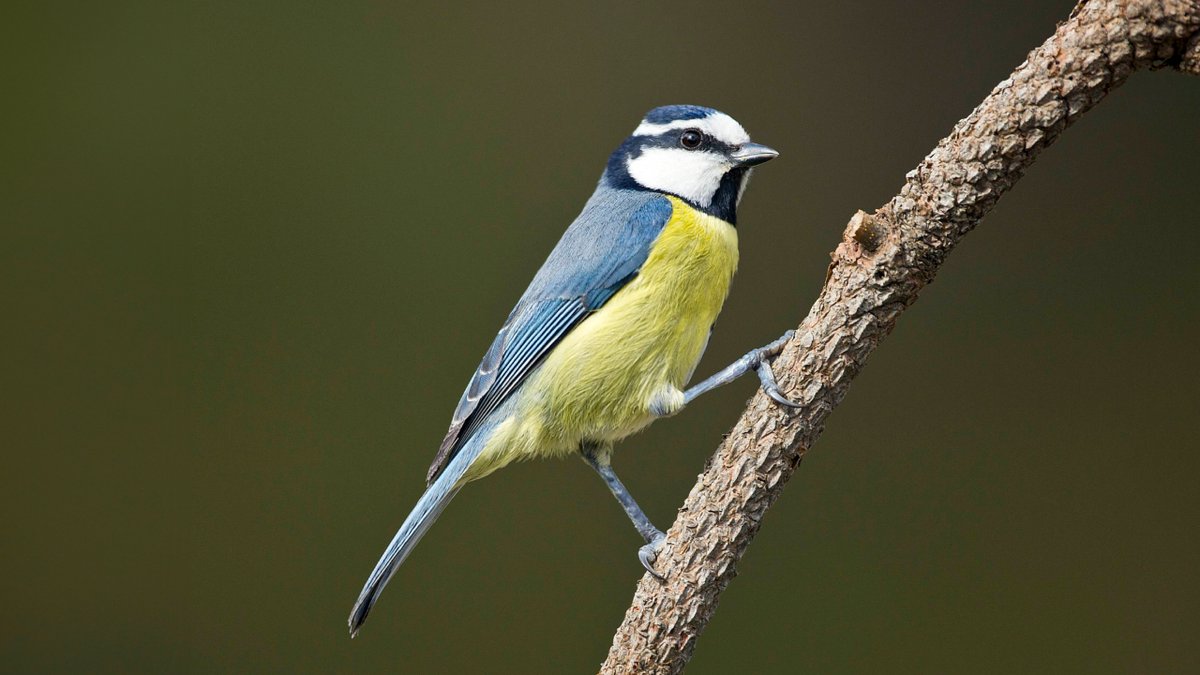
{"x": 428, "y": 508}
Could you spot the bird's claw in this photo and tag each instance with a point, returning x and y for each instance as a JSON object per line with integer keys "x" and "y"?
{"x": 762, "y": 366}
{"x": 649, "y": 553}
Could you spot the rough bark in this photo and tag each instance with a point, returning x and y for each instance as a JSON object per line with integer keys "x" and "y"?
{"x": 882, "y": 262}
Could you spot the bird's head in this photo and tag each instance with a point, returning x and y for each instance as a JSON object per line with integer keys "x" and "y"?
{"x": 698, "y": 154}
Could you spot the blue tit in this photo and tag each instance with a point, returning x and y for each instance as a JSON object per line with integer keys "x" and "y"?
{"x": 609, "y": 332}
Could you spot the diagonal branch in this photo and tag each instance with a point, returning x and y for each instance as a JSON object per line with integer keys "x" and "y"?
{"x": 882, "y": 262}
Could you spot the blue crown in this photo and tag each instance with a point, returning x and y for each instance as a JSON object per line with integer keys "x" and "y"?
{"x": 670, "y": 113}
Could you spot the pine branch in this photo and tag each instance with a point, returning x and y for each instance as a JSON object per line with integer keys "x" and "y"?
{"x": 881, "y": 264}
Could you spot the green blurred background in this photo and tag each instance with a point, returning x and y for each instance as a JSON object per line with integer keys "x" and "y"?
{"x": 253, "y": 251}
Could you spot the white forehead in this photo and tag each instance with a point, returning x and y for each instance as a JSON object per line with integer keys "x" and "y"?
{"x": 718, "y": 125}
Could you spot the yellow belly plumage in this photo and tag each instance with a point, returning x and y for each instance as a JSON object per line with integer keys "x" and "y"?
{"x": 627, "y": 363}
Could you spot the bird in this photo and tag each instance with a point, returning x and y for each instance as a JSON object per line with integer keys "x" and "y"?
{"x": 608, "y": 334}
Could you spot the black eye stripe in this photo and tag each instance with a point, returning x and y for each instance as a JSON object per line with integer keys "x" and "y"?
{"x": 708, "y": 141}
{"x": 670, "y": 139}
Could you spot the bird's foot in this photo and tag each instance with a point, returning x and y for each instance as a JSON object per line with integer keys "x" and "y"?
{"x": 760, "y": 361}
{"x": 649, "y": 553}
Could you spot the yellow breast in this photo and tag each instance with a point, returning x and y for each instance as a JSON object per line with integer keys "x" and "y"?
{"x": 635, "y": 354}
{"x": 599, "y": 383}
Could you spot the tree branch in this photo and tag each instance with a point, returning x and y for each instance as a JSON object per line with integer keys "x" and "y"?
{"x": 882, "y": 262}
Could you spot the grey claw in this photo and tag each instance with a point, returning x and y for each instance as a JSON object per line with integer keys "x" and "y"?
{"x": 770, "y": 387}
{"x": 767, "y": 377}
{"x": 649, "y": 553}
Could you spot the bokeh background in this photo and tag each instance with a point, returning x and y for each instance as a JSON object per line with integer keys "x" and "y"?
{"x": 252, "y": 252}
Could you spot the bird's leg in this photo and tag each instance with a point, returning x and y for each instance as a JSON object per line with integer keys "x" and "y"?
{"x": 599, "y": 458}
{"x": 756, "y": 360}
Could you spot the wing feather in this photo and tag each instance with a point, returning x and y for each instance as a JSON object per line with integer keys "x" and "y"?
{"x": 598, "y": 254}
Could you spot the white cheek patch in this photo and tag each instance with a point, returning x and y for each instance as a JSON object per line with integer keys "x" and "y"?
{"x": 718, "y": 125}
{"x": 695, "y": 176}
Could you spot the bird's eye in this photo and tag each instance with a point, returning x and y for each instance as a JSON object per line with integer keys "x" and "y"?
{"x": 691, "y": 139}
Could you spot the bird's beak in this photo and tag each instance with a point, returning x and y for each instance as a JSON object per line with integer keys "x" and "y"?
{"x": 751, "y": 154}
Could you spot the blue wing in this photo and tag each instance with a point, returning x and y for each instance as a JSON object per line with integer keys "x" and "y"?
{"x": 598, "y": 254}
